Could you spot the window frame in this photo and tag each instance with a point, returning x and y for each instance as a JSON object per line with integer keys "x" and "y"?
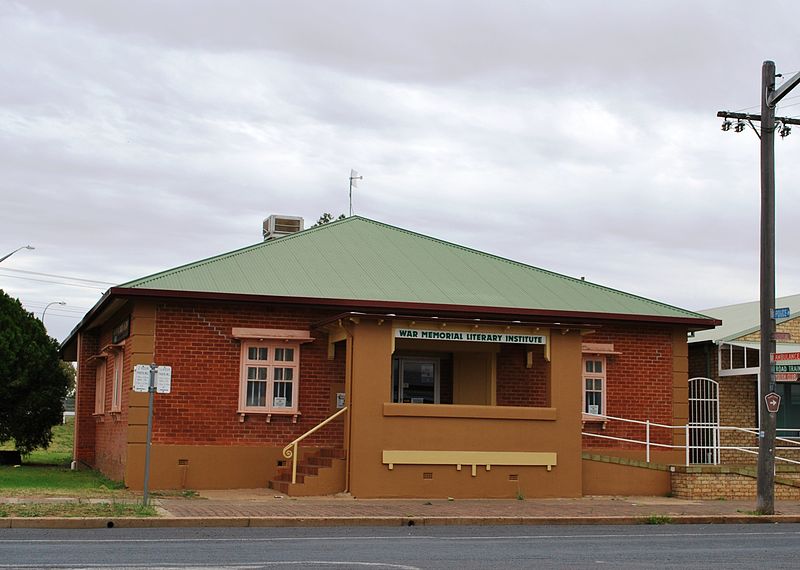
{"x": 116, "y": 384}
{"x": 100, "y": 372}
{"x": 271, "y": 365}
{"x": 602, "y": 376}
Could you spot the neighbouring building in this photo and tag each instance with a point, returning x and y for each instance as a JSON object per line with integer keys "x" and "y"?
{"x": 724, "y": 367}
{"x": 453, "y": 372}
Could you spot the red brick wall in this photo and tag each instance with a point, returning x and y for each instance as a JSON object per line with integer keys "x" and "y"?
{"x": 518, "y": 385}
{"x": 100, "y": 440}
{"x": 195, "y": 340}
{"x": 111, "y": 429}
{"x": 84, "y": 400}
{"x": 639, "y": 384}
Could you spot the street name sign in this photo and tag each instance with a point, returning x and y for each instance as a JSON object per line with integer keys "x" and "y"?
{"x": 775, "y": 356}
{"x": 781, "y": 313}
{"x": 786, "y": 367}
{"x": 786, "y": 377}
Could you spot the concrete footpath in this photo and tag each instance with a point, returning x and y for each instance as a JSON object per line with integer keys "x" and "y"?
{"x": 262, "y": 508}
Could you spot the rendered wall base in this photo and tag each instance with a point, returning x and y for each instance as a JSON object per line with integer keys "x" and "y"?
{"x": 624, "y": 478}
{"x": 202, "y": 466}
{"x": 500, "y": 482}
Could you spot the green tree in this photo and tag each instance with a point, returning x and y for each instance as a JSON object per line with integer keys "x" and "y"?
{"x": 32, "y": 380}
{"x": 326, "y": 218}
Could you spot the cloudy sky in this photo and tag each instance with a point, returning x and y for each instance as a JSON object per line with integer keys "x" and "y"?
{"x": 577, "y": 136}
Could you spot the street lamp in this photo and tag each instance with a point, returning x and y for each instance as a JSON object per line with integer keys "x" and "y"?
{"x": 48, "y": 306}
{"x": 15, "y": 251}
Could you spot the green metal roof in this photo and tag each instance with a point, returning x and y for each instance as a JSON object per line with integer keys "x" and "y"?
{"x": 361, "y": 259}
{"x": 742, "y": 319}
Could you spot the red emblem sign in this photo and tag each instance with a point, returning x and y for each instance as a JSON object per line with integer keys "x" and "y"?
{"x": 773, "y": 402}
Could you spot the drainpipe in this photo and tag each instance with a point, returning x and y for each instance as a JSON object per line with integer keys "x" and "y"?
{"x": 348, "y": 390}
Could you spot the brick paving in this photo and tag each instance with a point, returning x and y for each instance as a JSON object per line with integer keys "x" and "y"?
{"x": 265, "y": 503}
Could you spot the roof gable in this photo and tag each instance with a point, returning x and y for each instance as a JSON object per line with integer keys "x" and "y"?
{"x": 361, "y": 259}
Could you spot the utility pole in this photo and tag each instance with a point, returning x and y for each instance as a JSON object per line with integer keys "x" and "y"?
{"x": 765, "y": 503}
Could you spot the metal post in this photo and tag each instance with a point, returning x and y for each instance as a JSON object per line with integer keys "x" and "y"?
{"x": 687, "y": 444}
{"x": 765, "y": 504}
{"x": 152, "y": 390}
{"x": 294, "y": 464}
{"x": 648, "y": 441}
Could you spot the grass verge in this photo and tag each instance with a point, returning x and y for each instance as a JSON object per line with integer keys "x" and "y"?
{"x": 76, "y": 510}
{"x": 48, "y": 481}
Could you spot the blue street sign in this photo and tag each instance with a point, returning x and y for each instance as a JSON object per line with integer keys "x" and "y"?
{"x": 782, "y": 313}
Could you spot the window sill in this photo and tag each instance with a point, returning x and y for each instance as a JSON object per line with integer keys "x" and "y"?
{"x": 590, "y": 419}
{"x": 244, "y": 413}
{"x": 468, "y": 411}
{"x": 99, "y": 416}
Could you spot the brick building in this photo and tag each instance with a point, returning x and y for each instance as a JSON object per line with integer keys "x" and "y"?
{"x": 729, "y": 357}
{"x": 447, "y": 371}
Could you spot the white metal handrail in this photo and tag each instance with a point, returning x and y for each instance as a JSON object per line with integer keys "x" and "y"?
{"x": 648, "y": 443}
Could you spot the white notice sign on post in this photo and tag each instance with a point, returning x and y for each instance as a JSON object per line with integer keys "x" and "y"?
{"x": 141, "y": 377}
{"x": 164, "y": 379}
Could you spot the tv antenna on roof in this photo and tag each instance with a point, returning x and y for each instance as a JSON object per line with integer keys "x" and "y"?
{"x": 354, "y": 178}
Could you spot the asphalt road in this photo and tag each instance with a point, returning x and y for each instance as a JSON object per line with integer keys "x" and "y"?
{"x": 669, "y": 546}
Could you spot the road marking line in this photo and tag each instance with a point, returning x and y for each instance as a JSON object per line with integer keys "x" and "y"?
{"x": 393, "y": 538}
{"x": 246, "y": 566}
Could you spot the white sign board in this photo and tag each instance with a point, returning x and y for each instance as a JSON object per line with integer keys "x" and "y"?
{"x": 463, "y": 336}
{"x": 164, "y": 379}
{"x": 141, "y": 378}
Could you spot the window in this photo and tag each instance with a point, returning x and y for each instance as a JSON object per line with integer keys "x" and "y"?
{"x": 415, "y": 380}
{"x": 594, "y": 385}
{"x": 789, "y": 413}
{"x": 116, "y": 393}
{"x": 269, "y": 377}
{"x": 100, "y": 386}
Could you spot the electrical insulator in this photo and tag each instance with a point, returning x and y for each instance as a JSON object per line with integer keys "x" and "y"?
{"x": 785, "y": 131}
{"x": 726, "y": 125}
{"x": 739, "y": 127}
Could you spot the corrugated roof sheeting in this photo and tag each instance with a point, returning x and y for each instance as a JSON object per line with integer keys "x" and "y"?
{"x": 361, "y": 259}
{"x": 741, "y": 319}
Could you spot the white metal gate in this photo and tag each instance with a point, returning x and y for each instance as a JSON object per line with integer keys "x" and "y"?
{"x": 703, "y": 421}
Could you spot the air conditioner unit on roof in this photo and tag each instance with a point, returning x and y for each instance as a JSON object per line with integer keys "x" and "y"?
{"x": 277, "y": 226}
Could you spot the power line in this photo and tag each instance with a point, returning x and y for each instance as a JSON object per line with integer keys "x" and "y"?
{"x": 56, "y": 282}
{"x": 57, "y": 314}
{"x": 67, "y": 308}
{"x": 57, "y": 276}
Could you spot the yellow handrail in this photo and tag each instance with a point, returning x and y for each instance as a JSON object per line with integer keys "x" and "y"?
{"x": 290, "y": 451}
